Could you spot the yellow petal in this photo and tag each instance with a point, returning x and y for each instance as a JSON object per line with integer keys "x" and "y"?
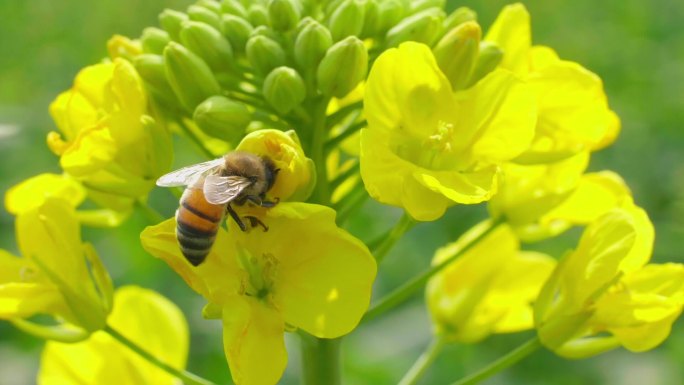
{"x": 92, "y": 149}
{"x": 23, "y": 300}
{"x": 461, "y": 187}
{"x": 253, "y": 340}
{"x": 32, "y": 192}
{"x": 324, "y": 274}
{"x": 144, "y": 317}
{"x": 512, "y": 33}
{"x": 215, "y": 278}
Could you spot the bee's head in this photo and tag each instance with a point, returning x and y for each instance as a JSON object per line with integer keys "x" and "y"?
{"x": 270, "y": 172}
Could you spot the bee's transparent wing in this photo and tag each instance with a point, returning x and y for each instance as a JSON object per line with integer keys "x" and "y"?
{"x": 186, "y": 176}
{"x": 223, "y": 189}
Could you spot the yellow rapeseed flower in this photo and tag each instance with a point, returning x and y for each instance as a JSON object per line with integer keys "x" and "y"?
{"x": 142, "y": 316}
{"x": 489, "y": 289}
{"x": 305, "y": 272}
{"x": 58, "y": 274}
{"x": 573, "y": 109}
{"x": 427, "y": 148}
{"x": 604, "y": 295}
{"x": 107, "y": 141}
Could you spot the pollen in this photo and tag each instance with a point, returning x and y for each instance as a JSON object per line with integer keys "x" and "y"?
{"x": 442, "y": 137}
{"x": 260, "y": 273}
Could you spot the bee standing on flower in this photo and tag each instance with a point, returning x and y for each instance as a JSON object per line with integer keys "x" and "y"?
{"x": 236, "y": 178}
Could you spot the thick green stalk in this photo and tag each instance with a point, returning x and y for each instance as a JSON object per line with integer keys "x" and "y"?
{"x": 320, "y": 360}
{"x": 502, "y": 363}
{"x": 187, "y": 377}
{"x": 385, "y": 245}
{"x": 402, "y": 293}
{"x": 423, "y": 363}
{"x": 319, "y": 136}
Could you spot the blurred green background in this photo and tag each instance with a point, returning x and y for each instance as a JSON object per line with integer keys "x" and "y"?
{"x": 636, "y": 46}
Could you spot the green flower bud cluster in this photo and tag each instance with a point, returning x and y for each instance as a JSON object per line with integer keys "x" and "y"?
{"x": 228, "y": 63}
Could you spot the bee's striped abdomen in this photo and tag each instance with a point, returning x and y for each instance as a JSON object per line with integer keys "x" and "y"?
{"x": 197, "y": 222}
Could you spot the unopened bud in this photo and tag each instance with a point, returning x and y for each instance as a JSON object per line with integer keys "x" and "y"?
{"x": 371, "y": 19}
{"x": 264, "y": 54}
{"x": 390, "y": 14}
{"x": 284, "y": 89}
{"x": 210, "y": 5}
{"x": 258, "y": 15}
{"x": 458, "y": 17}
{"x": 207, "y": 43}
{"x": 347, "y": 20}
{"x": 344, "y": 65}
{"x": 222, "y": 118}
{"x": 123, "y": 47}
{"x": 234, "y": 7}
{"x": 152, "y": 70}
{"x": 489, "y": 58}
{"x": 189, "y": 76}
{"x": 304, "y": 22}
{"x": 284, "y": 14}
{"x": 236, "y": 30}
{"x": 423, "y": 27}
{"x": 154, "y": 40}
{"x": 457, "y": 52}
{"x": 416, "y": 6}
{"x": 311, "y": 45}
{"x": 199, "y": 13}
{"x": 265, "y": 31}
{"x": 171, "y": 21}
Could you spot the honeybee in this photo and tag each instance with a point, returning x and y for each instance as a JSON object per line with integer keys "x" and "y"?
{"x": 212, "y": 187}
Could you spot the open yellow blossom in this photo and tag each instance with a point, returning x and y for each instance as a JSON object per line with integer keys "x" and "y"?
{"x": 489, "y": 289}
{"x": 58, "y": 274}
{"x": 297, "y": 175}
{"x": 142, "y": 316}
{"x": 107, "y": 141}
{"x": 544, "y": 200}
{"x": 304, "y": 272}
{"x": 573, "y": 110}
{"x": 427, "y": 148}
{"x": 604, "y": 295}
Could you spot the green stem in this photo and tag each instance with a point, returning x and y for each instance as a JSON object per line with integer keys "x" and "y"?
{"x": 423, "y": 363}
{"x": 152, "y": 215}
{"x": 187, "y": 377}
{"x": 320, "y": 360}
{"x": 350, "y": 202}
{"x": 349, "y": 131}
{"x": 403, "y": 292}
{"x": 502, "y": 363}
{"x": 319, "y": 135}
{"x": 343, "y": 112}
{"x": 344, "y": 175}
{"x": 385, "y": 245}
{"x": 195, "y": 139}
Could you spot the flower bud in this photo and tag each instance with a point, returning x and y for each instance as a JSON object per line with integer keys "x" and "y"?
{"x": 154, "y": 40}
{"x": 284, "y": 14}
{"x": 222, "y": 118}
{"x": 421, "y": 5}
{"x": 423, "y": 27}
{"x": 264, "y": 30}
{"x": 264, "y": 54}
{"x": 207, "y": 43}
{"x": 210, "y": 5}
{"x": 457, "y": 53}
{"x": 371, "y": 19}
{"x": 344, "y": 65}
{"x": 489, "y": 58}
{"x": 390, "y": 13}
{"x": 347, "y": 20}
{"x": 189, "y": 76}
{"x": 171, "y": 21}
{"x": 199, "y": 13}
{"x": 123, "y": 47}
{"x": 304, "y": 22}
{"x": 152, "y": 70}
{"x": 236, "y": 30}
{"x": 258, "y": 15}
{"x": 459, "y": 16}
{"x": 233, "y": 7}
{"x": 284, "y": 89}
{"x": 311, "y": 44}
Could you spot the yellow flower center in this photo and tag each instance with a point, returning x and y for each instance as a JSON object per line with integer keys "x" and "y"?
{"x": 260, "y": 273}
{"x": 434, "y": 152}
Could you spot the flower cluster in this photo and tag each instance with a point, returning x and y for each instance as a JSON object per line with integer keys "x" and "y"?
{"x": 341, "y": 101}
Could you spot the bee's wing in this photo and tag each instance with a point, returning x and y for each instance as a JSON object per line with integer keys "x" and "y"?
{"x": 188, "y": 175}
{"x": 223, "y": 189}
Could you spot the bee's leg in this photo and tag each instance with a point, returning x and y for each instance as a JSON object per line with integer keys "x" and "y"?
{"x": 269, "y": 204}
{"x": 254, "y": 221}
{"x": 254, "y": 199}
{"x": 236, "y": 218}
